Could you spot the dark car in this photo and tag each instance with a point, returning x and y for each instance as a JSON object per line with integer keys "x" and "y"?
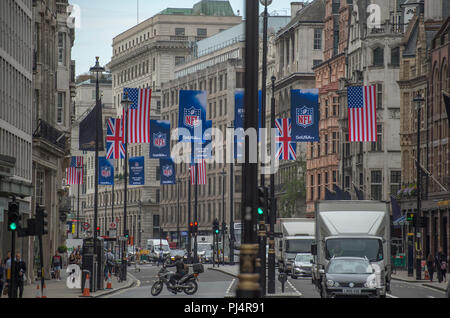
{"x": 350, "y": 276}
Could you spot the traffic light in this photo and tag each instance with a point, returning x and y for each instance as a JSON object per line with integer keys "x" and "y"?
{"x": 191, "y": 227}
{"x": 263, "y": 197}
{"x": 216, "y": 226}
{"x": 98, "y": 230}
{"x": 41, "y": 220}
{"x": 126, "y": 233}
{"x": 195, "y": 227}
{"x": 411, "y": 217}
{"x": 13, "y": 216}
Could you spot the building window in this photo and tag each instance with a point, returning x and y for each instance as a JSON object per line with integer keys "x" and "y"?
{"x": 376, "y": 184}
{"x": 201, "y": 32}
{"x": 378, "y": 145}
{"x": 179, "y": 31}
{"x": 379, "y": 96}
{"x": 378, "y": 56}
{"x": 240, "y": 80}
{"x": 317, "y": 39}
{"x": 40, "y": 189}
{"x": 395, "y": 56}
{"x": 61, "y": 48}
{"x": 316, "y": 62}
{"x": 396, "y": 179}
{"x": 179, "y": 60}
{"x": 60, "y": 107}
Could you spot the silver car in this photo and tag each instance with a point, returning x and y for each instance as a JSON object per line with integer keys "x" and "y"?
{"x": 302, "y": 265}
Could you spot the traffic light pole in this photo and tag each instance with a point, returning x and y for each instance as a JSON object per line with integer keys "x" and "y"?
{"x": 41, "y": 262}
{"x": 189, "y": 246}
{"x": 231, "y": 215}
{"x": 12, "y": 289}
{"x": 195, "y": 213}
{"x": 419, "y": 203}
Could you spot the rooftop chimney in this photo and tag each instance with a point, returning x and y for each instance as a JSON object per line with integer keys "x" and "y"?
{"x": 296, "y": 7}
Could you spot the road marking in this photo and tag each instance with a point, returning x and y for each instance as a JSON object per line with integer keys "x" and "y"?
{"x": 292, "y": 286}
{"x": 391, "y": 296}
{"x": 430, "y": 297}
{"x": 231, "y": 285}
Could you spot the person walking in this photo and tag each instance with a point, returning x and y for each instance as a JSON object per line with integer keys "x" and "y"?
{"x": 57, "y": 265}
{"x": 430, "y": 266}
{"x": 442, "y": 258}
{"x": 2, "y": 278}
{"x": 110, "y": 261}
{"x": 19, "y": 275}
{"x": 7, "y": 263}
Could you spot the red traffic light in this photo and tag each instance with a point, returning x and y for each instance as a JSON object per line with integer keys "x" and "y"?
{"x": 191, "y": 224}
{"x": 195, "y": 223}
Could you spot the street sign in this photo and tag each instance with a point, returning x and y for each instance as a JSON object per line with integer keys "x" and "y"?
{"x": 112, "y": 226}
{"x": 112, "y": 233}
{"x": 410, "y": 234}
{"x": 86, "y": 226}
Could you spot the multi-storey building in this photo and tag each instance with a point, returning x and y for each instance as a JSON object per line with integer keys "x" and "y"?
{"x": 373, "y": 59}
{"x": 16, "y": 95}
{"x": 424, "y": 71}
{"x": 298, "y": 47}
{"x": 145, "y": 56}
{"x": 216, "y": 67}
{"x": 323, "y": 156}
{"x": 53, "y": 88}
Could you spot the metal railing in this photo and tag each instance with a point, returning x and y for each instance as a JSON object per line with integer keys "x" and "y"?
{"x": 47, "y": 132}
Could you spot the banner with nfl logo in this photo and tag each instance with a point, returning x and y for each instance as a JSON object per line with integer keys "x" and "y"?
{"x": 192, "y": 115}
{"x": 305, "y": 115}
{"x": 204, "y": 150}
{"x": 137, "y": 176}
{"x": 167, "y": 167}
{"x": 106, "y": 171}
{"x": 159, "y": 139}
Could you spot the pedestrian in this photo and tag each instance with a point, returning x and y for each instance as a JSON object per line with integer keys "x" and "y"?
{"x": 430, "y": 266}
{"x": 19, "y": 276}
{"x": 7, "y": 263}
{"x": 72, "y": 258}
{"x": 442, "y": 258}
{"x": 2, "y": 277}
{"x": 110, "y": 261}
{"x": 57, "y": 265}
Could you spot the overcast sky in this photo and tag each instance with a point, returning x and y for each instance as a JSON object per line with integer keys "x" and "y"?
{"x": 101, "y": 20}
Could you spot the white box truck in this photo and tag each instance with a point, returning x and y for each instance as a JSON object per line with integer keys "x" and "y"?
{"x": 297, "y": 235}
{"x": 352, "y": 229}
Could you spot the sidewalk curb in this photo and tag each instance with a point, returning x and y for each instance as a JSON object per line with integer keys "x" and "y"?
{"x": 435, "y": 287}
{"x": 420, "y": 282}
{"x": 130, "y": 285}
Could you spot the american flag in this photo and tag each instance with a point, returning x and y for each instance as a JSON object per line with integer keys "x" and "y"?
{"x": 362, "y": 116}
{"x": 74, "y": 174}
{"x": 138, "y": 124}
{"x": 201, "y": 164}
{"x": 115, "y": 148}
{"x": 286, "y": 149}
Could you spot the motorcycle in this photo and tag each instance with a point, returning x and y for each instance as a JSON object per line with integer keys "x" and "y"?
{"x": 188, "y": 283}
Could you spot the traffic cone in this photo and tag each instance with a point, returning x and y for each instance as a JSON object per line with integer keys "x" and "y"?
{"x": 86, "y": 291}
{"x": 44, "y": 293}
{"x": 109, "y": 284}
{"x": 427, "y": 276}
{"x": 38, "y": 291}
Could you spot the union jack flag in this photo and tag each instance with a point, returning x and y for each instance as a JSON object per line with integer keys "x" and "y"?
{"x": 74, "y": 174}
{"x": 115, "y": 148}
{"x": 286, "y": 149}
{"x": 201, "y": 167}
{"x": 138, "y": 123}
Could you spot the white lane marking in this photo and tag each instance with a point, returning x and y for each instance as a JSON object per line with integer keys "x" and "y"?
{"x": 292, "y": 286}
{"x": 430, "y": 297}
{"x": 231, "y": 285}
{"x": 391, "y": 296}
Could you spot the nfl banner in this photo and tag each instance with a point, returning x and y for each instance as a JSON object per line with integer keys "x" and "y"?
{"x": 159, "y": 139}
{"x": 192, "y": 114}
{"x": 167, "y": 167}
{"x": 305, "y": 115}
{"x": 106, "y": 171}
{"x": 204, "y": 150}
{"x": 137, "y": 176}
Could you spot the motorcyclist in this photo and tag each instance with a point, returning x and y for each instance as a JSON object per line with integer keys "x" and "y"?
{"x": 181, "y": 271}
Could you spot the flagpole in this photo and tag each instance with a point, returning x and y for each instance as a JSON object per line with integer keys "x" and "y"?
{"x": 78, "y": 211}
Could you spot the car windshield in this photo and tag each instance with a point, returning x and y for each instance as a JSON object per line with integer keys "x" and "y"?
{"x": 303, "y": 258}
{"x": 355, "y": 247}
{"x": 203, "y": 247}
{"x": 349, "y": 266}
{"x": 298, "y": 245}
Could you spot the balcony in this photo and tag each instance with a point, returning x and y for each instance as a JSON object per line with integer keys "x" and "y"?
{"x": 50, "y": 134}
{"x": 386, "y": 28}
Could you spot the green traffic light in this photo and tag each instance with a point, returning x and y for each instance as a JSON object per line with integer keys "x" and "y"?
{"x": 217, "y": 231}
{"x": 13, "y": 226}
{"x": 260, "y": 211}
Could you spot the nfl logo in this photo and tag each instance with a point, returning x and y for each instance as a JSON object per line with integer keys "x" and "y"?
{"x": 167, "y": 171}
{"x": 159, "y": 140}
{"x": 192, "y": 117}
{"x": 106, "y": 172}
{"x": 305, "y": 116}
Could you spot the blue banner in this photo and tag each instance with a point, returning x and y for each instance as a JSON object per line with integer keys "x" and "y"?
{"x": 204, "y": 150}
{"x": 305, "y": 115}
{"x": 192, "y": 115}
{"x": 159, "y": 139}
{"x": 167, "y": 168}
{"x": 137, "y": 176}
{"x": 106, "y": 171}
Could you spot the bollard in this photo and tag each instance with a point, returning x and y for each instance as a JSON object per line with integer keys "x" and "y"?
{"x": 282, "y": 277}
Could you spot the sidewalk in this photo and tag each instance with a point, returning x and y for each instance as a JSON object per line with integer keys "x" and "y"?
{"x": 58, "y": 289}
{"x": 233, "y": 270}
{"x": 402, "y": 275}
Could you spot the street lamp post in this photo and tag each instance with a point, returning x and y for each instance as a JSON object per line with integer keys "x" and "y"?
{"x": 96, "y": 69}
{"x": 223, "y": 216}
{"x": 418, "y": 99}
{"x": 272, "y": 215}
{"x": 126, "y": 102}
{"x": 231, "y": 207}
{"x": 178, "y": 214}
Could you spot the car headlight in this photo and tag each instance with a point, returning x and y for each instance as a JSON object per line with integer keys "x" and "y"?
{"x": 371, "y": 282}
{"x": 330, "y": 283}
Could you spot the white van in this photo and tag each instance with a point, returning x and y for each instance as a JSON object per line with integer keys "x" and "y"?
{"x": 156, "y": 246}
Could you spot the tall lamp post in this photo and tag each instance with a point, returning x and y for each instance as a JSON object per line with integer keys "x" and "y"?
{"x": 223, "y": 215}
{"x": 96, "y": 69}
{"x": 418, "y": 100}
{"x": 272, "y": 208}
{"x": 178, "y": 214}
{"x": 126, "y": 102}
{"x": 231, "y": 207}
